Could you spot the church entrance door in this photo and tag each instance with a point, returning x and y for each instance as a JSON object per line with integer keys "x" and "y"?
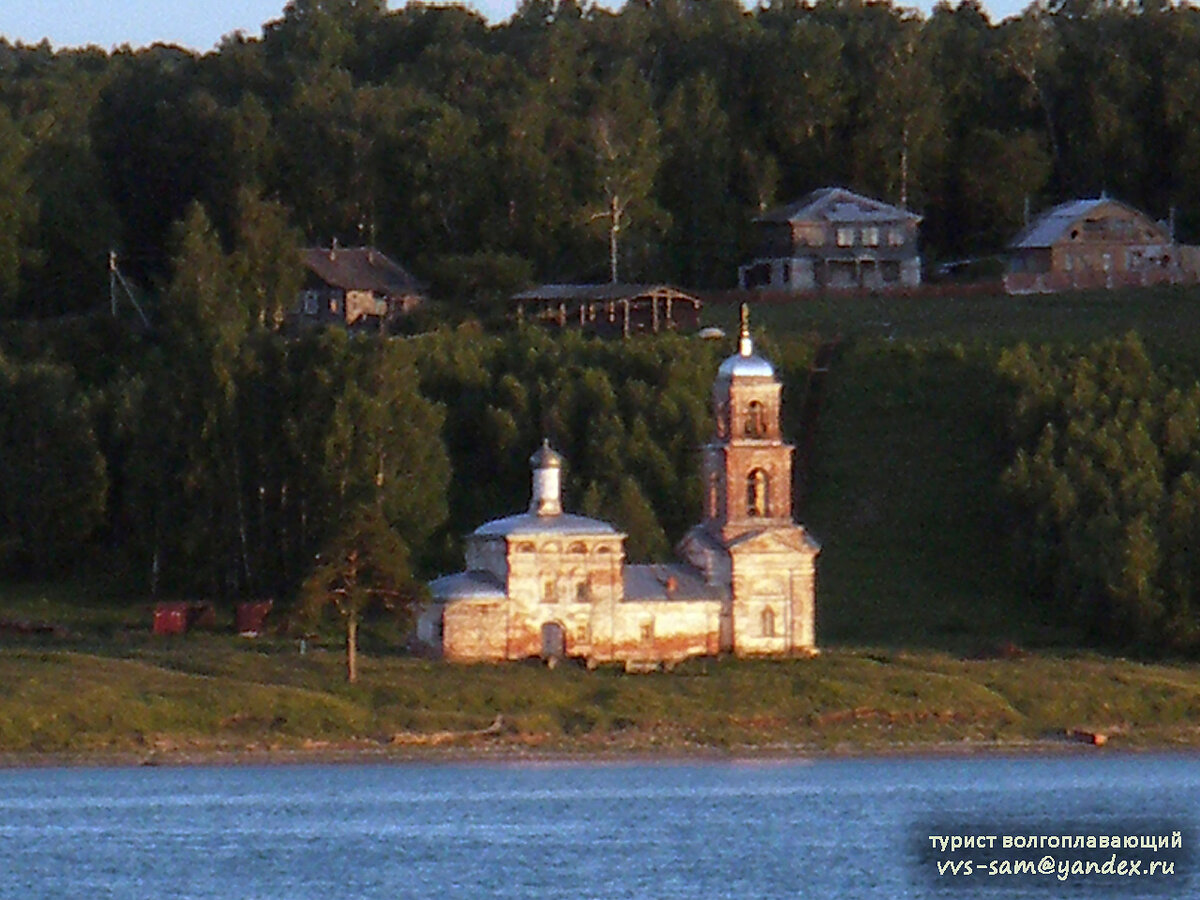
{"x": 554, "y": 641}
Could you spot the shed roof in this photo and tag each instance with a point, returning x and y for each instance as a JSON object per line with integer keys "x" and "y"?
{"x": 606, "y": 291}
{"x": 837, "y": 205}
{"x": 1049, "y": 227}
{"x": 359, "y": 269}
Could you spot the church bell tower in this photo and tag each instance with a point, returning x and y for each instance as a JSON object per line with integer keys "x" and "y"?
{"x": 747, "y": 468}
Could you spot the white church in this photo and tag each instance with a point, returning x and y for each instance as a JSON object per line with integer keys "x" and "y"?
{"x": 546, "y": 583}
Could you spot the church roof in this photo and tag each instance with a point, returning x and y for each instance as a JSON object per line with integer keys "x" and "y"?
{"x": 462, "y": 585}
{"x": 531, "y": 523}
{"x": 786, "y": 532}
{"x": 674, "y": 581}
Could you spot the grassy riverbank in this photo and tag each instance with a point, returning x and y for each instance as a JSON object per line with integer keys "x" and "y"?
{"x": 214, "y": 693}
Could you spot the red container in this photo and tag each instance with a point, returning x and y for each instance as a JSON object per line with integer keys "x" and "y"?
{"x": 251, "y": 617}
{"x": 170, "y": 618}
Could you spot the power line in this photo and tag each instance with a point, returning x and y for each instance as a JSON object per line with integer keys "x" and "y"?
{"x": 115, "y": 279}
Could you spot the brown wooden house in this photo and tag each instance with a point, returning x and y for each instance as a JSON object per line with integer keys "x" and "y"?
{"x": 355, "y": 287}
{"x": 1098, "y": 243}
{"x": 610, "y": 309}
{"x": 834, "y": 239}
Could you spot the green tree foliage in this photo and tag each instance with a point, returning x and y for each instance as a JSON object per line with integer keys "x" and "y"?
{"x": 54, "y": 478}
{"x": 1103, "y": 485}
{"x": 362, "y": 566}
{"x": 17, "y": 208}
{"x": 241, "y": 451}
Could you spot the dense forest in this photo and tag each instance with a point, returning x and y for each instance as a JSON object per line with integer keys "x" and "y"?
{"x": 482, "y": 156}
{"x": 1105, "y": 485}
{"x": 208, "y": 454}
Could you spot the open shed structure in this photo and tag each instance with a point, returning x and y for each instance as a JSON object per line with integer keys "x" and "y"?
{"x": 610, "y": 309}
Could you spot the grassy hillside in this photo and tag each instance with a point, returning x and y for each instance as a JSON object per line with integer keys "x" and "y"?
{"x": 1167, "y": 318}
{"x": 903, "y": 498}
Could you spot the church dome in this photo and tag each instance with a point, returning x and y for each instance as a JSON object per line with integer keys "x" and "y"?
{"x": 751, "y": 366}
{"x": 546, "y": 457}
{"x": 745, "y": 363}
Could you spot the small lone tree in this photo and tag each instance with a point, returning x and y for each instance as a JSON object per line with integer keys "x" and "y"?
{"x": 364, "y": 565}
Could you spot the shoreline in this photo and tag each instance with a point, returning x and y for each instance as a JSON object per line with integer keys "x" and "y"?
{"x": 352, "y": 753}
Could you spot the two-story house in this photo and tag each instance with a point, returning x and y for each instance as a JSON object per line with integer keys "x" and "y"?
{"x": 834, "y": 238}
{"x": 1096, "y": 243}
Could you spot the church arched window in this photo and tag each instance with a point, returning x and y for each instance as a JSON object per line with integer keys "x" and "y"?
{"x": 756, "y": 420}
{"x": 757, "y": 503}
{"x": 768, "y": 622}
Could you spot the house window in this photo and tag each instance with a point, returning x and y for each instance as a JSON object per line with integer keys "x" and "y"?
{"x": 757, "y": 275}
{"x": 550, "y": 591}
{"x": 647, "y": 633}
{"x": 845, "y": 237}
{"x": 870, "y": 236}
{"x": 756, "y": 493}
{"x": 713, "y": 495}
{"x": 896, "y": 237}
{"x": 311, "y": 303}
{"x": 768, "y": 622}
{"x": 806, "y": 235}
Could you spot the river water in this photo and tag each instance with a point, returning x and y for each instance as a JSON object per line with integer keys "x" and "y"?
{"x": 829, "y": 829}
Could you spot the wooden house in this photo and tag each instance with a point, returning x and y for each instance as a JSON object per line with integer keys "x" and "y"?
{"x": 1098, "y": 243}
{"x": 610, "y": 309}
{"x": 355, "y": 287}
{"x": 835, "y": 239}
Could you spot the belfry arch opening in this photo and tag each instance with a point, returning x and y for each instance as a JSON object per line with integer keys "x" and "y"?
{"x": 757, "y": 491}
{"x": 756, "y": 420}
